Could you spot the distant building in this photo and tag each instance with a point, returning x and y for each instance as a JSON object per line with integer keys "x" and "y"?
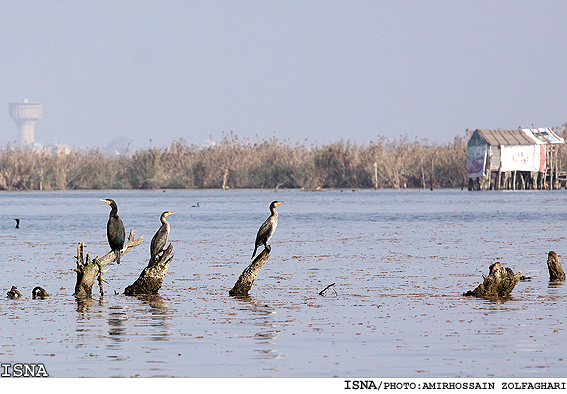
{"x": 25, "y": 115}
{"x": 513, "y": 159}
{"x": 58, "y": 148}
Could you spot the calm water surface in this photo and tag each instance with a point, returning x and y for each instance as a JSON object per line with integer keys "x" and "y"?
{"x": 400, "y": 261}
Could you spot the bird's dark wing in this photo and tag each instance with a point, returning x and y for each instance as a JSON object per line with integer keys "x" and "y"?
{"x": 264, "y": 232}
{"x": 115, "y": 233}
{"x": 158, "y": 241}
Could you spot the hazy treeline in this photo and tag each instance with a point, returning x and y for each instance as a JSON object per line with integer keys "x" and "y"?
{"x": 242, "y": 164}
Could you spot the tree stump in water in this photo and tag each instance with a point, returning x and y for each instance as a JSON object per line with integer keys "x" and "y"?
{"x": 497, "y": 285}
{"x": 556, "y": 273}
{"x": 88, "y": 271}
{"x": 249, "y": 275}
{"x": 151, "y": 278}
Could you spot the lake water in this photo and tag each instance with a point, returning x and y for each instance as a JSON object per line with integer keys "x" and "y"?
{"x": 400, "y": 261}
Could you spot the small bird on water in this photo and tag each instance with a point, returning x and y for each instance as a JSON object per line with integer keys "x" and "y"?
{"x": 115, "y": 230}
{"x": 17, "y": 223}
{"x": 39, "y": 292}
{"x": 160, "y": 238}
{"x": 267, "y": 228}
{"x": 14, "y": 293}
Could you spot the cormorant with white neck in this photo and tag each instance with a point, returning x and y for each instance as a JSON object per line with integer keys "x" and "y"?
{"x": 160, "y": 238}
{"x": 267, "y": 228}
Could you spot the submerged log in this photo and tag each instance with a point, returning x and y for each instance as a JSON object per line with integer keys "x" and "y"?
{"x": 498, "y": 284}
{"x": 151, "y": 278}
{"x": 556, "y": 273}
{"x": 88, "y": 271}
{"x": 249, "y": 275}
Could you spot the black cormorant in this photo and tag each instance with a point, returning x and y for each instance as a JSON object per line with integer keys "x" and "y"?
{"x": 17, "y": 223}
{"x": 115, "y": 230}
{"x": 267, "y": 228}
{"x": 160, "y": 238}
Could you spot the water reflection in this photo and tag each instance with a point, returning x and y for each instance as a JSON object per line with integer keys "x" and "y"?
{"x": 116, "y": 319}
{"x": 554, "y": 284}
{"x": 261, "y": 315}
{"x": 116, "y": 332}
{"x": 159, "y": 316}
{"x": 84, "y": 306}
{"x": 151, "y": 312}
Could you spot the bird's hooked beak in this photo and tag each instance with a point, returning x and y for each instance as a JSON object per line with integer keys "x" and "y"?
{"x": 279, "y": 202}
{"x": 106, "y": 201}
{"x": 169, "y": 213}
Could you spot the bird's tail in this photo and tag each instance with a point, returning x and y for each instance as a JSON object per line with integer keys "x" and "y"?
{"x": 255, "y": 248}
{"x": 117, "y": 256}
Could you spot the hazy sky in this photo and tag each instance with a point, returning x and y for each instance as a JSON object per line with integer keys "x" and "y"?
{"x": 321, "y": 70}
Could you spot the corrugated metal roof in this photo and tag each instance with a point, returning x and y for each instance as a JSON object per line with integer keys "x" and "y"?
{"x": 505, "y": 137}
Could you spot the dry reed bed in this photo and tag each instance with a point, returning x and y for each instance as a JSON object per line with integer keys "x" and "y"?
{"x": 241, "y": 164}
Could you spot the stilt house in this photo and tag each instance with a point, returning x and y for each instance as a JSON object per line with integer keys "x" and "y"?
{"x": 514, "y": 159}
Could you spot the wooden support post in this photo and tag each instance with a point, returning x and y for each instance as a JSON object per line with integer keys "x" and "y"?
{"x": 498, "y": 184}
{"x": 552, "y": 170}
{"x": 224, "y": 179}
{"x": 432, "y": 173}
{"x": 376, "y": 175}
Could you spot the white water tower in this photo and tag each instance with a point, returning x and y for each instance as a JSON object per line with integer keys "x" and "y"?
{"x": 25, "y": 115}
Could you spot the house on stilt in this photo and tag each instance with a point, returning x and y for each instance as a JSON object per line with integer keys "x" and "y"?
{"x": 514, "y": 159}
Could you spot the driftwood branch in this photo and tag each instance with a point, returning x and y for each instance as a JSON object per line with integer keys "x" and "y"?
{"x": 151, "y": 278}
{"x": 556, "y": 273}
{"x": 322, "y": 292}
{"x": 249, "y": 275}
{"x": 498, "y": 284}
{"x": 88, "y": 271}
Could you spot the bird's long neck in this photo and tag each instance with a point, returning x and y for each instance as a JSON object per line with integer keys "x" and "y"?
{"x": 273, "y": 210}
{"x": 113, "y": 210}
{"x": 164, "y": 222}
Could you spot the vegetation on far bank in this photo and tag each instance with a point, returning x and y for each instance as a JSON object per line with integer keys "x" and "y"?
{"x": 233, "y": 163}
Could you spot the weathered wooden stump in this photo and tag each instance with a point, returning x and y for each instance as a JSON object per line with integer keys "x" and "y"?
{"x": 88, "y": 271}
{"x": 498, "y": 284}
{"x": 151, "y": 278}
{"x": 249, "y": 275}
{"x": 556, "y": 273}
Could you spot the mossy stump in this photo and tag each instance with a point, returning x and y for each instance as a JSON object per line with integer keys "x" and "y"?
{"x": 88, "y": 271}
{"x": 556, "y": 273}
{"x": 249, "y": 275}
{"x": 498, "y": 284}
{"x": 150, "y": 280}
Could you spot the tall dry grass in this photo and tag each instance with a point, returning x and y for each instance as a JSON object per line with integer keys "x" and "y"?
{"x": 236, "y": 163}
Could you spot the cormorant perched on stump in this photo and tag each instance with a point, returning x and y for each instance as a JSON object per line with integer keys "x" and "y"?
{"x": 160, "y": 238}
{"x": 267, "y": 228}
{"x": 115, "y": 230}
